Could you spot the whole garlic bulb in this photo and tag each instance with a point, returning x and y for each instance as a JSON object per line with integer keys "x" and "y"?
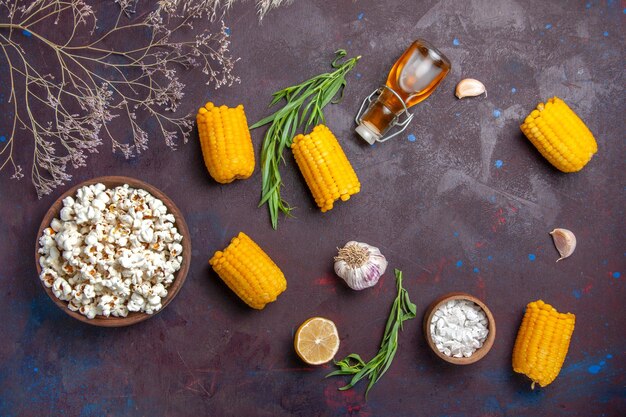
{"x": 360, "y": 265}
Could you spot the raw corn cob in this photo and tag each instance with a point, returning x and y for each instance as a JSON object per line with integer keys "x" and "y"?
{"x": 226, "y": 142}
{"x": 542, "y": 342}
{"x": 559, "y": 134}
{"x": 325, "y": 167}
{"x": 249, "y": 272}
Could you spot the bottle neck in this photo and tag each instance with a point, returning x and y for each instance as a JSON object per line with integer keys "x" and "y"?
{"x": 382, "y": 114}
{"x": 393, "y": 102}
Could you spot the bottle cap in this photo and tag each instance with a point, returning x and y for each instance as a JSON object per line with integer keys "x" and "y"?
{"x": 367, "y": 133}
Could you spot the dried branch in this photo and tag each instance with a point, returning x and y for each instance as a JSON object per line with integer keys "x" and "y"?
{"x": 66, "y": 98}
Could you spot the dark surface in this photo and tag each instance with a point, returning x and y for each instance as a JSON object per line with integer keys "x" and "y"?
{"x": 437, "y": 201}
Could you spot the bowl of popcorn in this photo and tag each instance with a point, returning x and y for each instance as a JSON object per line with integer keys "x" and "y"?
{"x": 113, "y": 251}
{"x": 459, "y": 328}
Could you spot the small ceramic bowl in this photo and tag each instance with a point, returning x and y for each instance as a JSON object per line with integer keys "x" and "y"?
{"x": 172, "y": 290}
{"x": 478, "y": 354}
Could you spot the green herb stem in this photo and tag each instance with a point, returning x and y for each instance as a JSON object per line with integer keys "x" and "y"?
{"x": 401, "y": 310}
{"x": 304, "y": 104}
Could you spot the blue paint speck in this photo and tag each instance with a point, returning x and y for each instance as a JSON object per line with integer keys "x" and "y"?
{"x": 457, "y": 114}
{"x": 594, "y": 369}
{"x": 616, "y": 275}
{"x": 549, "y": 26}
{"x": 476, "y": 270}
{"x": 490, "y": 258}
{"x": 360, "y": 16}
{"x": 588, "y": 6}
{"x": 497, "y": 113}
{"x": 492, "y": 198}
{"x": 27, "y": 33}
{"x": 459, "y": 263}
{"x": 36, "y": 369}
{"x": 3, "y": 139}
{"x": 411, "y": 137}
{"x": 609, "y": 356}
{"x": 499, "y": 163}
{"x": 456, "y": 42}
{"x": 358, "y": 75}
{"x": 492, "y": 405}
{"x": 349, "y": 43}
{"x": 531, "y": 257}
{"x": 513, "y": 90}
{"x": 624, "y": 11}
{"x": 227, "y": 31}
{"x": 606, "y": 33}
{"x": 456, "y": 234}
{"x": 577, "y": 293}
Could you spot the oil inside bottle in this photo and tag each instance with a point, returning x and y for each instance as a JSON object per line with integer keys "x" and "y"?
{"x": 413, "y": 77}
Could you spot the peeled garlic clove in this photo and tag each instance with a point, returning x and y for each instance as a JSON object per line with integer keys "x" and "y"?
{"x": 565, "y": 242}
{"x": 470, "y": 87}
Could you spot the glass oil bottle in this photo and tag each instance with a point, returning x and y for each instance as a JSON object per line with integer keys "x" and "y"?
{"x": 413, "y": 77}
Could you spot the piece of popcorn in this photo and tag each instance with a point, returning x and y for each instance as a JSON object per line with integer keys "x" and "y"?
{"x": 151, "y": 308}
{"x": 62, "y": 289}
{"x": 154, "y": 300}
{"x": 98, "y": 205}
{"x": 175, "y": 249}
{"x": 146, "y": 233}
{"x": 66, "y": 213}
{"x": 160, "y": 290}
{"x": 120, "y": 310}
{"x": 89, "y": 310}
{"x": 168, "y": 279}
{"x": 48, "y": 277}
{"x": 136, "y": 302}
{"x": 68, "y": 202}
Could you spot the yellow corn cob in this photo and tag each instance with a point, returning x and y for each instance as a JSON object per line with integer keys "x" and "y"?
{"x": 325, "y": 167}
{"x": 249, "y": 272}
{"x": 226, "y": 142}
{"x": 542, "y": 342}
{"x": 559, "y": 134}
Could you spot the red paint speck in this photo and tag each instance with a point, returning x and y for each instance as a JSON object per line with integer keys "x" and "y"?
{"x": 480, "y": 288}
{"x": 440, "y": 265}
{"x": 352, "y": 400}
{"x": 325, "y": 280}
{"x": 499, "y": 219}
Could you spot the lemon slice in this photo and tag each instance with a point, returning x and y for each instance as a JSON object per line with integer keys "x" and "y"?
{"x": 317, "y": 341}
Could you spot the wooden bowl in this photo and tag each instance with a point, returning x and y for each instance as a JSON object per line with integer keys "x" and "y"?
{"x": 172, "y": 290}
{"x": 478, "y": 354}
